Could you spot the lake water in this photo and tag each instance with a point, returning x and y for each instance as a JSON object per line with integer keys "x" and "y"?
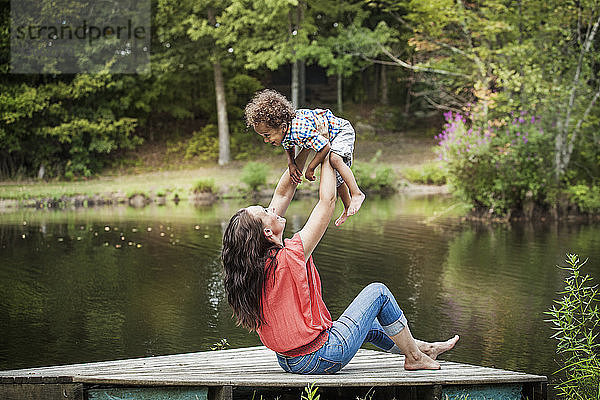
{"x": 110, "y": 283}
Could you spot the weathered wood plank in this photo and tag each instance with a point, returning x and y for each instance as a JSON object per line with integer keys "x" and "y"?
{"x": 220, "y": 393}
{"x": 258, "y": 366}
{"x": 20, "y": 391}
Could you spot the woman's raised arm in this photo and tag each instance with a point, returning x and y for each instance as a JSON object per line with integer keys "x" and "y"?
{"x": 319, "y": 219}
{"x": 284, "y": 192}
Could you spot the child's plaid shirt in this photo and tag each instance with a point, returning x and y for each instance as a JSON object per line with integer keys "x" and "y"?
{"x": 303, "y": 129}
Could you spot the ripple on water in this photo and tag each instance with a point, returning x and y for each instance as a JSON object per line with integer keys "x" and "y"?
{"x": 491, "y": 284}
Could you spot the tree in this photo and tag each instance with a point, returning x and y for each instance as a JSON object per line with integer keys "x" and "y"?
{"x": 502, "y": 57}
{"x": 204, "y": 28}
{"x": 268, "y": 33}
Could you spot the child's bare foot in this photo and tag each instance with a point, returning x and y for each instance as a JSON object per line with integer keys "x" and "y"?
{"x": 420, "y": 361}
{"x": 342, "y": 217}
{"x": 355, "y": 204}
{"x": 436, "y": 348}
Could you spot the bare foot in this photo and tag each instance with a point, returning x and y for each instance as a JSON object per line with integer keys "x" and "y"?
{"x": 420, "y": 361}
{"x": 436, "y": 348}
{"x": 342, "y": 218}
{"x": 355, "y": 203}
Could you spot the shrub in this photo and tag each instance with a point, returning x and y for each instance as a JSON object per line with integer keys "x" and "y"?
{"x": 204, "y": 144}
{"x": 500, "y": 165}
{"x": 255, "y": 174}
{"x": 205, "y": 186}
{"x": 374, "y": 178}
{"x": 575, "y": 318}
{"x": 428, "y": 174}
{"x": 586, "y": 198}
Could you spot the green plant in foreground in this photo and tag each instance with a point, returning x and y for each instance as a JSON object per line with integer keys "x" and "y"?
{"x": 310, "y": 392}
{"x": 254, "y": 175}
{"x": 576, "y": 318}
{"x": 220, "y": 345}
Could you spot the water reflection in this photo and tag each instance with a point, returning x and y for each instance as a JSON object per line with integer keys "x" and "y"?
{"x": 90, "y": 285}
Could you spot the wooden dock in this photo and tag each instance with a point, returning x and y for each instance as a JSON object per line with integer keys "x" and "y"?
{"x": 240, "y": 373}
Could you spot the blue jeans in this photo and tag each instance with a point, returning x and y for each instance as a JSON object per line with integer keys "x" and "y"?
{"x": 373, "y": 316}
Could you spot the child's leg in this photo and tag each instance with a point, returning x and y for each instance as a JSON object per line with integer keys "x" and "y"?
{"x": 344, "y": 195}
{"x": 337, "y": 162}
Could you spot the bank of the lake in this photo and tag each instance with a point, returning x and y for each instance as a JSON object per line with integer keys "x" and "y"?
{"x": 153, "y": 175}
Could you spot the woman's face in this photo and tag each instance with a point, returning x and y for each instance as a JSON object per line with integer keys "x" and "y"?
{"x": 273, "y": 224}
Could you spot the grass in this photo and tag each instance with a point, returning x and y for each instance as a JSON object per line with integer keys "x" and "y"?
{"x": 429, "y": 173}
{"x": 181, "y": 182}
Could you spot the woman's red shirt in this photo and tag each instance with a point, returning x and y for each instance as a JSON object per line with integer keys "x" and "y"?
{"x": 296, "y": 318}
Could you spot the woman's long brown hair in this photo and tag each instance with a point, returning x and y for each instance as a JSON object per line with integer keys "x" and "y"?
{"x": 246, "y": 251}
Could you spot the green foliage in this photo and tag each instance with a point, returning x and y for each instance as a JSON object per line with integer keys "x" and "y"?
{"x": 254, "y": 175}
{"x": 498, "y": 168}
{"x": 70, "y": 125}
{"x": 244, "y": 143}
{"x": 585, "y": 197}
{"x": 576, "y": 318}
{"x": 428, "y": 174}
{"x": 204, "y": 144}
{"x": 204, "y": 186}
{"x": 505, "y": 56}
{"x": 310, "y": 392}
{"x": 375, "y": 178}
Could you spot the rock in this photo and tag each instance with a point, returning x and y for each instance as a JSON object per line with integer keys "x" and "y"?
{"x": 203, "y": 199}
{"x": 138, "y": 200}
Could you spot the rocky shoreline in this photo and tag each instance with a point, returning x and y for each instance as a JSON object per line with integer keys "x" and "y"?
{"x": 139, "y": 200}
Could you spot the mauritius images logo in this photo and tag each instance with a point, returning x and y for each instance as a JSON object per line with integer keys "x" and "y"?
{"x": 80, "y": 36}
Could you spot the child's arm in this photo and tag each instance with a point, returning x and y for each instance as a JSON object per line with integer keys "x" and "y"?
{"x": 319, "y": 157}
{"x": 295, "y": 172}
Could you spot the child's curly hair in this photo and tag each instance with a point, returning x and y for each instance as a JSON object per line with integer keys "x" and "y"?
{"x": 270, "y": 107}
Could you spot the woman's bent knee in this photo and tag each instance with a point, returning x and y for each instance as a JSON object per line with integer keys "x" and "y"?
{"x": 378, "y": 286}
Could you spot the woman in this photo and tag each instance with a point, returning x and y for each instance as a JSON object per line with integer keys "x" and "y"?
{"x": 274, "y": 288}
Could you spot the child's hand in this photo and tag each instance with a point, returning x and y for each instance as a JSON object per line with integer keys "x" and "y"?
{"x": 310, "y": 174}
{"x": 323, "y": 128}
{"x": 295, "y": 174}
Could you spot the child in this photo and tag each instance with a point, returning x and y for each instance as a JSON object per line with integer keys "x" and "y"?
{"x": 273, "y": 117}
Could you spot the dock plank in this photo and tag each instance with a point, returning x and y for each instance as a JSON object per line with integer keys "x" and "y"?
{"x": 258, "y": 366}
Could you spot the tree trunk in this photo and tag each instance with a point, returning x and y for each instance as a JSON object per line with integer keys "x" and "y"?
{"x": 384, "y": 87}
{"x": 302, "y": 78}
{"x": 364, "y": 78}
{"x": 374, "y": 86}
{"x": 224, "y": 151}
{"x": 340, "y": 104}
{"x": 562, "y": 148}
{"x": 222, "y": 122}
{"x": 409, "y": 92}
{"x": 295, "y": 84}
